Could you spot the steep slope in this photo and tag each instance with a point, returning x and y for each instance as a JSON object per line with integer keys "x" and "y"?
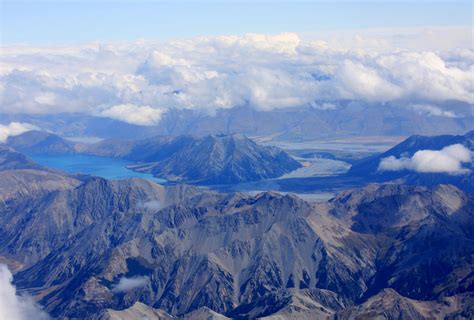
{"x": 106, "y": 245}
{"x": 231, "y": 242}
{"x": 204, "y": 313}
{"x": 388, "y": 304}
{"x": 218, "y": 159}
{"x": 142, "y": 311}
{"x": 22, "y": 178}
{"x": 424, "y": 237}
{"x": 215, "y": 159}
{"x": 67, "y": 211}
{"x": 137, "y": 311}
{"x": 221, "y": 159}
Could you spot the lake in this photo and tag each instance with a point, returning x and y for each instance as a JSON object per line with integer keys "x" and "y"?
{"x": 109, "y": 168}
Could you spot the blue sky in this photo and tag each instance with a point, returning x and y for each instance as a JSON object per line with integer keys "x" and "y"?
{"x": 65, "y": 22}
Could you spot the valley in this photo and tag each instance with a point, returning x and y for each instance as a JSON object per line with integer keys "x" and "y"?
{"x": 342, "y": 246}
{"x": 247, "y": 160}
{"x": 109, "y": 168}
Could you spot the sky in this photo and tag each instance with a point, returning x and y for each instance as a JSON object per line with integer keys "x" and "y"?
{"x": 135, "y": 62}
{"x": 67, "y": 22}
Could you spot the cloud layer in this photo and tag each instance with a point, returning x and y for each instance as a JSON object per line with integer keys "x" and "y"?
{"x": 13, "y": 306}
{"x": 126, "y": 284}
{"x": 449, "y": 160}
{"x": 14, "y": 129}
{"x": 138, "y": 82}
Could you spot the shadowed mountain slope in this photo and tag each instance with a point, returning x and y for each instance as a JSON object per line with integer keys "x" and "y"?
{"x": 184, "y": 249}
{"x": 215, "y": 159}
{"x": 368, "y": 168}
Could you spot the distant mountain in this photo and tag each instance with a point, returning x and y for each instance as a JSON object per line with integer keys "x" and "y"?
{"x": 347, "y": 118}
{"x": 214, "y": 159}
{"x": 408, "y": 147}
{"x": 99, "y": 245}
{"x": 369, "y": 167}
{"x": 21, "y": 178}
{"x": 40, "y": 142}
{"x": 11, "y": 160}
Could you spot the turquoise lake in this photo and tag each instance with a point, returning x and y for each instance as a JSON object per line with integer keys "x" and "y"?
{"x": 109, "y": 168}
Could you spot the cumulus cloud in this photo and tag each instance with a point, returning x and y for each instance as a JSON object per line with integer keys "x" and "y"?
{"x": 126, "y": 284}
{"x": 14, "y": 129}
{"x": 449, "y": 160}
{"x": 139, "y": 115}
{"x": 138, "y": 82}
{"x": 14, "y": 306}
{"x": 433, "y": 110}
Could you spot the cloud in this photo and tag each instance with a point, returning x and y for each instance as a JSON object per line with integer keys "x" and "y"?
{"x": 354, "y": 80}
{"x": 139, "y": 115}
{"x": 14, "y": 129}
{"x": 152, "y": 205}
{"x": 14, "y": 306}
{"x": 137, "y": 82}
{"x": 126, "y": 284}
{"x": 433, "y": 110}
{"x": 449, "y": 160}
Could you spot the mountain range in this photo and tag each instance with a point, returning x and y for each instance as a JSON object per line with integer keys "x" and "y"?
{"x": 342, "y": 119}
{"x": 87, "y": 247}
{"x": 368, "y": 168}
{"x": 213, "y": 159}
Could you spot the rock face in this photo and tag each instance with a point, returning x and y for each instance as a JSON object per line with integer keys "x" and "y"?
{"x": 137, "y": 311}
{"x": 368, "y": 167}
{"x": 214, "y": 159}
{"x": 217, "y": 159}
{"x": 388, "y": 304}
{"x": 98, "y": 246}
{"x": 22, "y": 179}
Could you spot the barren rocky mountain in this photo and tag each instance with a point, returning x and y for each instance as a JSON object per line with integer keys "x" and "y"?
{"x": 388, "y": 304}
{"x": 347, "y": 118}
{"x": 40, "y": 142}
{"x": 22, "y": 177}
{"x": 98, "y": 247}
{"x": 213, "y": 159}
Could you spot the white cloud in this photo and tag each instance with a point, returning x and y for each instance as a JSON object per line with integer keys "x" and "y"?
{"x": 262, "y": 71}
{"x": 14, "y": 129}
{"x": 126, "y": 284}
{"x": 449, "y": 160}
{"x": 14, "y": 306}
{"x": 432, "y": 110}
{"x": 152, "y": 205}
{"x": 139, "y": 115}
{"x": 357, "y": 81}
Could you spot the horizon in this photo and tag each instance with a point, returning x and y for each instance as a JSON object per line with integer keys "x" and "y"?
{"x": 46, "y": 23}
{"x": 198, "y": 159}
